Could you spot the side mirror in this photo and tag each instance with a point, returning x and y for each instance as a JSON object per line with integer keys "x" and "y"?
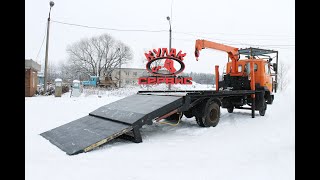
{"x": 275, "y": 67}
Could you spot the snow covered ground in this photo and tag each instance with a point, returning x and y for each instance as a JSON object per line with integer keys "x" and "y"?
{"x": 239, "y": 148}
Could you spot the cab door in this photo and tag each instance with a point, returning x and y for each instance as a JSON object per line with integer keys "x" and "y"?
{"x": 267, "y": 76}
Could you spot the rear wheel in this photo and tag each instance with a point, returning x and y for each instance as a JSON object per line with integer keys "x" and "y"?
{"x": 211, "y": 115}
{"x": 207, "y": 113}
{"x": 199, "y": 122}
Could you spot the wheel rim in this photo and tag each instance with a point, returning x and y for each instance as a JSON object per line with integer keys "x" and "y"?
{"x": 213, "y": 115}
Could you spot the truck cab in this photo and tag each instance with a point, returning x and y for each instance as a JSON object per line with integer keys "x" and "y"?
{"x": 262, "y": 72}
{"x": 93, "y": 81}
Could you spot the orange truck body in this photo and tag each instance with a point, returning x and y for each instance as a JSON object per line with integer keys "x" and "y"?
{"x": 237, "y": 66}
{"x": 261, "y": 71}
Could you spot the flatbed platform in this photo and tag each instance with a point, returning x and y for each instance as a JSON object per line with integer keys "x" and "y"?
{"x": 126, "y": 116}
{"x": 111, "y": 121}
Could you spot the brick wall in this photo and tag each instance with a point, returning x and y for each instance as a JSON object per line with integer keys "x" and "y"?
{"x": 31, "y": 81}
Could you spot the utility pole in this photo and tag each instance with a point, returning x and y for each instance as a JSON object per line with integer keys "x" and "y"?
{"x": 47, "y": 48}
{"x": 168, "y": 18}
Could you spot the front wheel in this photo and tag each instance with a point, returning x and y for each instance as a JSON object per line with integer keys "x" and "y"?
{"x": 263, "y": 109}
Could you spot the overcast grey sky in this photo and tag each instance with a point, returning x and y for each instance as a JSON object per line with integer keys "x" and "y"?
{"x": 259, "y": 23}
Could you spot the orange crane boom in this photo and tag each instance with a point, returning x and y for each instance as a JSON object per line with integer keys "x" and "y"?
{"x": 233, "y": 52}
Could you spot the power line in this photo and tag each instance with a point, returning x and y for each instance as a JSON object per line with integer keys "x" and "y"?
{"x": 215, "y": 39}
{"x": 232, "y": 43}
{"x": 236, "y": 43}
{"x": 144, "y": 30}
{"x": 186, "y": 33}
{"x": 111, "y": 29}
{"x": 41, "y": 43}
{"x": 241, "y": 34}
{"x": 261, "y": 45}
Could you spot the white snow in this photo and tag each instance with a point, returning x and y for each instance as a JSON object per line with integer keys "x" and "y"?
{"x": 240, "y": 147}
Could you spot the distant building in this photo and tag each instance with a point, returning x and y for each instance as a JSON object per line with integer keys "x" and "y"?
{"x": 31, "y": 77}
{"x": 129, "y": 76}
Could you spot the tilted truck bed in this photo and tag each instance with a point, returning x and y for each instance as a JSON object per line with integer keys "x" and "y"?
{"x": 111, "y": 121}
{"x": 124, "y": 118}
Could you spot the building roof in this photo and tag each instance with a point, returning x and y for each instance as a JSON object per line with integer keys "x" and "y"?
{"x": 31, "y": 64}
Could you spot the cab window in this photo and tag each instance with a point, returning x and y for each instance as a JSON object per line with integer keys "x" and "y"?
{"x": 240, "y": 68}
{"x": 247, "y": 67}
{"x": 266, "y": 69}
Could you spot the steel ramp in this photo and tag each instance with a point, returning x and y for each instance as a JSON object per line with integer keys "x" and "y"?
{"x": 122, "y": 118}
{"x": 76, "y": 136}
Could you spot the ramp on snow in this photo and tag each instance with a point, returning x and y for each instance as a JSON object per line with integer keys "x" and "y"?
{"x": 120, "y": 118}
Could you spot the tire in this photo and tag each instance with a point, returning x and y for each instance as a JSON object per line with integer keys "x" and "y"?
{"x": 199, "y": 122}
{"x": 207, "y": 113}
{"x": 263, "y": 109}
{"x": 270, "y": 99}
{"x": 212, "y": 115}
{"x": 198, "y": 112}
{"x": 230, "y": 109}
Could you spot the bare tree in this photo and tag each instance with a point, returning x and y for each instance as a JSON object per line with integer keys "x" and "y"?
{"x": 53, "y": 72}
{"x": 283, "y": 79}
{"x": 98, "y": 55}
{"x": 69, "y": 72}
